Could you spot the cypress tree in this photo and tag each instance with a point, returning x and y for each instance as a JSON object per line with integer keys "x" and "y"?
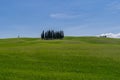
{"x": 42, "y": 35}
{"x": 51, "y": 34}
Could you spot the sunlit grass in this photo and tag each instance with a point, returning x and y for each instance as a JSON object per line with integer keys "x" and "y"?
{"x": 74, "y": 58}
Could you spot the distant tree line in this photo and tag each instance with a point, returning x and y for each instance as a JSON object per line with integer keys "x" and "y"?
{"x": 51, "y": 34}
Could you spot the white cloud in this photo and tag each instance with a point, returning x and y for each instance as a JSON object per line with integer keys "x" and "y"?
{"x": 111, "y": 35}
{"x": 64, "y": 16}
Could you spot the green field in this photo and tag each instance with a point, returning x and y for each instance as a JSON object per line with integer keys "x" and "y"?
{"x": 74, "y": 58}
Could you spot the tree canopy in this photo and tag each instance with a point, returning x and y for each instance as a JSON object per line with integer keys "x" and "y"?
{"x": 51, "y": 34}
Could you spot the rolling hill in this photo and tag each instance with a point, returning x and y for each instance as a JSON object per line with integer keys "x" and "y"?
{"x": 74, "y": 58}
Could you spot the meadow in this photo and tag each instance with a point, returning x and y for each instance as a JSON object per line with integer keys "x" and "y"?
{"x": 73, "y": 58}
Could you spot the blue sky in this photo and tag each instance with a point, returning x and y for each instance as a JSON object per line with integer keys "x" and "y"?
{"x": 28, "y": 18}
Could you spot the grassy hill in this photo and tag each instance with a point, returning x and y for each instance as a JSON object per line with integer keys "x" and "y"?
{"x": 74, "y": 58}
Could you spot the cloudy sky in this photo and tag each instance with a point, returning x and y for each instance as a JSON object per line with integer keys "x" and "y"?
{"x": 28, "y": 18}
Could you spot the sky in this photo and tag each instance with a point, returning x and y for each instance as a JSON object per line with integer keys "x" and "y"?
{"x": 28, "y": 18}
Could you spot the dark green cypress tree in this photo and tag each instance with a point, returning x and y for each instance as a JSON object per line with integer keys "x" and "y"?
{"x": 61, "y": 34}
{"x": 51, "y": 34}
{"x": 42, "y": 35}
{"x": 48, "y": 34}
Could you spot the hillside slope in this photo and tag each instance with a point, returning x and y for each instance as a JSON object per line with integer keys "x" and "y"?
{"x": 74, "y": 58}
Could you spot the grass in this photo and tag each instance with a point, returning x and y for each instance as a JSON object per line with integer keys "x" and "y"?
{"x": 74, "y": 58}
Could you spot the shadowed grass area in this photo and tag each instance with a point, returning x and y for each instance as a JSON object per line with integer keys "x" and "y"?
{"x": 74, "y": 58}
